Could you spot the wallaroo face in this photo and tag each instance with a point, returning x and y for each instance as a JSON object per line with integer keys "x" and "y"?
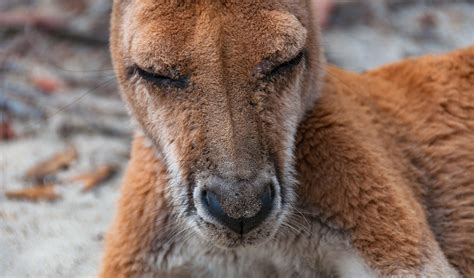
{"x": 219, "y": 87}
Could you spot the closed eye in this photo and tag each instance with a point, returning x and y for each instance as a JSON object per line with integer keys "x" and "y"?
{"x": 163, "y": 81}
{"x": 288, "y": 65}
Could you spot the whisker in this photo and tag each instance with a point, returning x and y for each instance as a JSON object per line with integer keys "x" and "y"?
{"x": 191, "y": 235}
{"x": 70, "y": 104}
{"x": 180, "y": 233}
{"x": 304, "y": 218}
{"x": 295, "y": 222}
{"x": 288, "y": 225}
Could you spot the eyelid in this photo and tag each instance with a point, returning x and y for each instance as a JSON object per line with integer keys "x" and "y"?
{"x": 146, "y": 73}
{"x": 162, "y": 80}
{"x": 269, "y": 68}
{"x": 288, "y": 64}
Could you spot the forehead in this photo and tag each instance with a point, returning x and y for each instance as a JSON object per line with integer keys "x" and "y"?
{"x": 166, "y": 30}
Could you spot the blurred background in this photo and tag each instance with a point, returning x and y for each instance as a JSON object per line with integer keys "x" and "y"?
{"x": 65, "y": 135}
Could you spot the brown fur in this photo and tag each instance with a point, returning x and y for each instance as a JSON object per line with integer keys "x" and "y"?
{"x": 232, "y": 123}
{"x": 389, "y": 155}
{"x": 383, "y": 160}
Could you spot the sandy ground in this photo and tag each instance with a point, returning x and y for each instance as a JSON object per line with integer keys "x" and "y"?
{"x": 65, "y": 238}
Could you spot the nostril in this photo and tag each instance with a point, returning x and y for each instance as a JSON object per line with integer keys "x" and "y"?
{"x": 268, "y": 195}
{"x": 204, "y": 199}
{"x": 242, "y": 225}
{"x": 214, "y": 205}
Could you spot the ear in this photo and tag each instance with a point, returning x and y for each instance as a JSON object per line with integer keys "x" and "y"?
{"x": 321, "y": 10}
{"x": 119, "y": 7}
{"x": 315, "y": 9}
{"x": 317, "y": 61}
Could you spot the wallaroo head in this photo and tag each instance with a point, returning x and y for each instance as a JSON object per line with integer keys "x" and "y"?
{"x": 219, "y": 87}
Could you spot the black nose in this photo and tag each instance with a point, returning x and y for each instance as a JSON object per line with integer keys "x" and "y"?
{"x": 240, "y": 225}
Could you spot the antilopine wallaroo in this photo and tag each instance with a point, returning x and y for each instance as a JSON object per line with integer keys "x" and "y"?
{"x": 255, "y": 159}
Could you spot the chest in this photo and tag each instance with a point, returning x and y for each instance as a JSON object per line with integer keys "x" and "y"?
{"x": 267, "y": 262}
{"x": 289, "y": 255}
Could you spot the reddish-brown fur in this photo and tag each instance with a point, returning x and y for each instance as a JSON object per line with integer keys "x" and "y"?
{"x": 384, "y": 161}
{"x": 386, "y": 156}
{"x": 390, "y": 153}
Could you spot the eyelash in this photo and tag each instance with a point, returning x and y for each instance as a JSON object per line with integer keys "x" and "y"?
{"x": 182, "y": 81}
{"x": 286, "y": 66}
{"x": 161, "y": 80}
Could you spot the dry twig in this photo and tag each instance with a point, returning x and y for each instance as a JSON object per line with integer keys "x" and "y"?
{"x": 34, "y": 194}
{"x": 94, "y": 178}
{"x": 51, "y": 165}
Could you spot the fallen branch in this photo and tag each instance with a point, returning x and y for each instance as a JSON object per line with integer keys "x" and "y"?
{"x": 34, "y": 194}
{"x": 51, "y": 165}
{"x": 94, "y": 178}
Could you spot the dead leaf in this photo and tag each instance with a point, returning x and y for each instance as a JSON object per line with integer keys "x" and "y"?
{"x": 6, "y": 131}
{"x": 94, "y": 178}
{"x": 47, "y": 84}
{"x": 34, "y": 194}
{"x": 51, "y": 165}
